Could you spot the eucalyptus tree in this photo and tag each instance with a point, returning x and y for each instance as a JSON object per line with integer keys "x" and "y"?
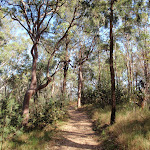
{"x": 83, "y": 54}
{"x": 36, "y": 17}
{"x": 143, "y": 41}
{"x": 101, "y": 17}
{"x": 109, "y": 18}
{"x": 113, "y": 111}
{"x": 133, "y": 17}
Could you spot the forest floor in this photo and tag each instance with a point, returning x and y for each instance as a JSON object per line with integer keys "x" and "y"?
{"x": 76, "y": 133}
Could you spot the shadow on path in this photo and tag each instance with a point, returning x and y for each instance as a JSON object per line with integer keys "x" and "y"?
{"x": 77, "y": 133}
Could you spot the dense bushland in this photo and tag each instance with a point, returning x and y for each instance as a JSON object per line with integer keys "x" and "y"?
{"x": 44, "y": 114}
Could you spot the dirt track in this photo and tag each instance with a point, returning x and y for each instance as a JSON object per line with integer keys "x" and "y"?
{"x": 77, "y": 133}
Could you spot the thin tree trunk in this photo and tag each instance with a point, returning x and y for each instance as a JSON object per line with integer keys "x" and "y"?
{"x": 5, "y": 91}
{"x": 113, "y": 111}
{"x": 145, "y": 53}
{"x": 99, "y": 69}
{"x": 65, "y": 69}
{"x": 65, "y": 79}
{"x": 132, "y": 75}
{"x": 128, "y": 67}
{"x": 136, "y": 81}
{"x": 116, "y": 71}
{"x": 53, "y": 88}
{"x": 80, "y": 79}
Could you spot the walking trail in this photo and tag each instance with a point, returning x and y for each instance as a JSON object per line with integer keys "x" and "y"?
{"x": 77, "y": 133}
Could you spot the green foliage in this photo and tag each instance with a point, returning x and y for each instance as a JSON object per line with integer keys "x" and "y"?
{"x": 131, "y": 33}
{"x": 10, "y": 120}
{"x": 101, "y": 96}
{"x": 44, "y": 113}
{"x": 35, "y": 140}
{"x": 48, "y": 113}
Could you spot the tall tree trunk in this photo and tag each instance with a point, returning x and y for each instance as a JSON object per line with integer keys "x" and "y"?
{"x": 32, "y": 87}
{"x": 99, "y": 69}
{"x": 80, "y": 79}
{"x": 113, "y": 111}
{"x": 65, "y": 79}
{"x": 53, "y": 87}
{"x": 130, "y": 69}
{"x": 145, "y": 57}
{"x": 136, "y": 82}
{"x": 128, "y": 64}
{"x": 116, "y": 71}
{"x": 65, "y": 69}
{"x": 132, "y": 75}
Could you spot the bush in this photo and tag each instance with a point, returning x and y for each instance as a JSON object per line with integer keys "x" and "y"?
{"x": 101, "y": 96}
{"x": 11, "y": 119}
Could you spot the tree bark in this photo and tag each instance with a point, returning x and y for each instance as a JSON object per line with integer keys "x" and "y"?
{"x": 116, "y": 71}
{"x": 53, "y": 88}
{"x": 128, "y": 64}
{"x": 65, "y": 78}
{"x": 32, "y": 87}
{"x": 80, "y": 79}
{"x": 113, "y": 111}
{"x": 35, "y": 29}
{"x": 65, "y": 69}
{"x": 145, "y": 57}
{"x": 99, "y": 69}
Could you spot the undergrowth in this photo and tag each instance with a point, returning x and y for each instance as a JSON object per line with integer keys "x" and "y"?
{"x": 130, "y": 132}
{"x": 44, "y": 118}
{"x": 33, "y": 140}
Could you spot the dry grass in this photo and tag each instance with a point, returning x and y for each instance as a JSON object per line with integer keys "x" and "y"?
{"x": 130, "y": 132}
{"x": 33, "y": 140}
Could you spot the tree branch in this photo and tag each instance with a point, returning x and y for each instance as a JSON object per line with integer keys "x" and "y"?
{"x": 16, "y": 19}
{"x": 90, "y": 51}
{"x": 56, "y": 45}
{"x": 49, "y": 79}
{"x": 49, "y": 18}
{"x": 25, "y": 14}
{"x": 31, "y": 15}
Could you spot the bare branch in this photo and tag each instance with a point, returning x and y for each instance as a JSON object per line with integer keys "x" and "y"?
{"x": 44, "y": 85}
{"x": 49, "y": 79}
{"x": 31, "y": 15}
{"x": 39, "y": 15}
{"x": 49, "y": 18}
{"x": 47, "y": 24}
{"x": 56, "y": 45}
{"x": 38, "y": 19}
{"x": 90, "y": 51}
{"x": 11, "y": 3}
{"x": 16, "y": 19}
{"x": 25, "y": 14}
{"x": 57, "y": 71}
{"x": 49, "y": 60}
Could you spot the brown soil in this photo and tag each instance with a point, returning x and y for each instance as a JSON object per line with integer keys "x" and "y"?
{"x": 77, "y": 133}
